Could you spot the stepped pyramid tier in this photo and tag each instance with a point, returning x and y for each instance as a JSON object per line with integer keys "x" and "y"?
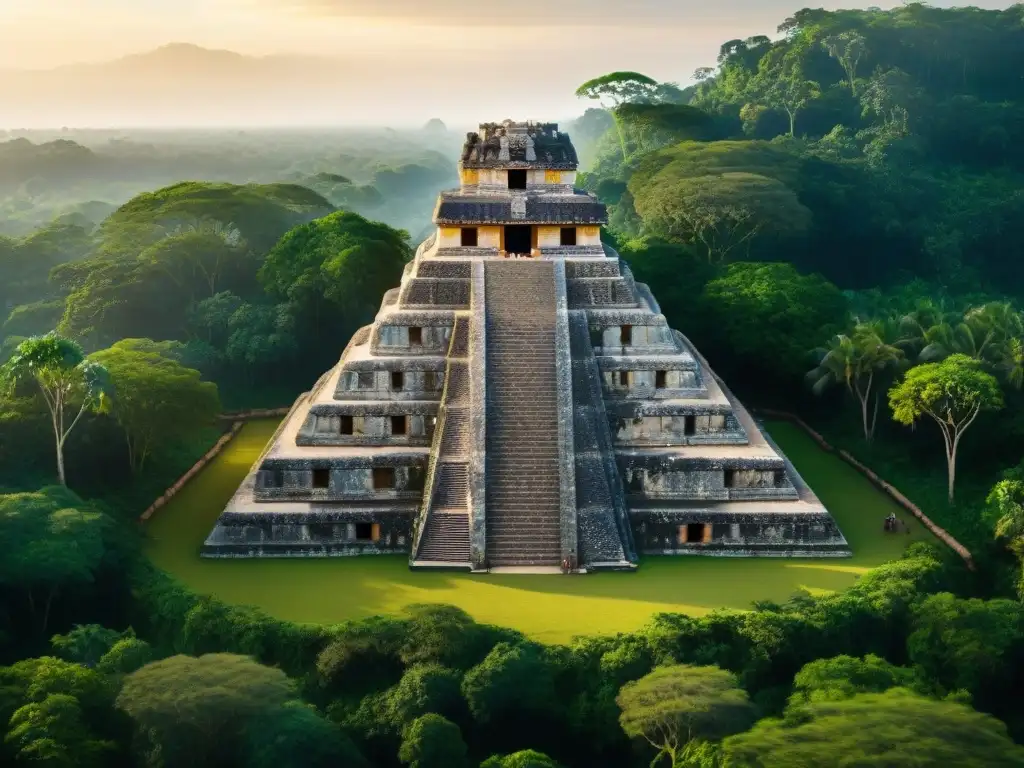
{"x": 520, "y": 402}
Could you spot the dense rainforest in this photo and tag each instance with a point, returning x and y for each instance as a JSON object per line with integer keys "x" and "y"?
{"x": 832, "y": 215}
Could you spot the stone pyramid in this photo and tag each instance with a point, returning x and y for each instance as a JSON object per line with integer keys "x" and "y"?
{"x": 520, "y": 402}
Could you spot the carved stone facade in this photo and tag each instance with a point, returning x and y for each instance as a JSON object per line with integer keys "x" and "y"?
{"x": 520, "y": 400}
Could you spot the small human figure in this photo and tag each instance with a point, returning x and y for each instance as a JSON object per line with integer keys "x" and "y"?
{"x": 890, "y": 522}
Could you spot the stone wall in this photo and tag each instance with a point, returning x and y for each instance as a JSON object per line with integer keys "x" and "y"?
{"x": 702, "y": 533}
{"x": 566, "y": 443}
{"x": 478, "y": 422}
{"x": 332, "y": 534}
{"x": 196, "y": 468}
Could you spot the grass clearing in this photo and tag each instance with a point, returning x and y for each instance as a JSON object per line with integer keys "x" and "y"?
{"x": 547, "y": 608}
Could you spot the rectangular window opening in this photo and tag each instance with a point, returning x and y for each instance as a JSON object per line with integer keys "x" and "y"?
{"x": 660, "y": 379}
{"x": 346, "y": 425}
{"x": 517, "y": 178}
{"x": 415, "y": 335}
{"x": 397, "y": 380}
{"x": 568, "y": 236}
{"x": 469, "y": 237}
{"x": 730, "y": 478}
{"x": 695, "y": 533}
{"x": 690, "y": 425}
{"x": 364, "y": 531}
{"x": 626, "y": 335}
{"x": 383, "y": 478}
{"x": 322, "y": 478}
{"x": 623, "y": 378}
{"x": 399, "y": 425}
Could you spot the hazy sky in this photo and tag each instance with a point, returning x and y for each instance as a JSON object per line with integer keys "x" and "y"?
{"x": 533, "y": 49}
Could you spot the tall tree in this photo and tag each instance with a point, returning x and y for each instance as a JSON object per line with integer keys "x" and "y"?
{"x": 1005, "y": 508}
{"x": 847, "y": 48}
{"x": 676, "y": 709}
{"x": 891, "y": 728}
{"x": 158, "y": 398}
{"x": 619, "y": 88}
{"x": 196, "y": 711}
{"x": 51, "y": 541}
{"x": 854, "y": 361}
{"x": 342, "y": 262}
{"x": 52, "y": 733}
{"x": 724, "y": 214}
{"x": 781, "y": 84}
{"x": 952, "y": 393}
{"x": 432, "y": 741}
{"x": 69, "y": 383}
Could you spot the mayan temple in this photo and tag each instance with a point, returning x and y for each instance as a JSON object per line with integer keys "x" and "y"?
{"x": 519, "y": 400}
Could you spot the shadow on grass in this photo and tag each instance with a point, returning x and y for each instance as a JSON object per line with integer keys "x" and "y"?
{"x": 550, "y": 608}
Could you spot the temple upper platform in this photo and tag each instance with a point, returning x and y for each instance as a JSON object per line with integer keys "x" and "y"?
{"x": 518, "y": 145}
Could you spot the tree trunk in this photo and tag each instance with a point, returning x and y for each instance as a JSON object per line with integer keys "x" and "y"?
{"x": 622, "y": 136}
{"x": 60, "y": 463}
{"x": 792, "y": 122}
{"x": 46, "y": 610}
{"x": 865, "y": 398}
{"x": 951, "y": 469}
{"x": 874, "y": 420}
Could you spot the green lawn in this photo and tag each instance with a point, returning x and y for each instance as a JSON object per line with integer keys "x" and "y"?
{"x": 548, "y": 608}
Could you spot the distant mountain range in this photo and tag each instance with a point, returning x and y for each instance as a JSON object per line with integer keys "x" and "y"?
{"x": 182, "y": 84}
{"x": 186, "y": 85}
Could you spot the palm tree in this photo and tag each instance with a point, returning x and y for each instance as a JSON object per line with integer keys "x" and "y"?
{"x": 991, "y": 334}
{"x": 858, "y": 361}
{"x": 915, "y": 325}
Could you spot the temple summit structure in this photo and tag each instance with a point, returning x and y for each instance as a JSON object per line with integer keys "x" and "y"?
{"x": 519, "y": 400}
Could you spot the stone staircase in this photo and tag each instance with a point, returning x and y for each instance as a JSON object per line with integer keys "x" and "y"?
{"x": 522, "y": 473}
{"x": 444, "y": 540}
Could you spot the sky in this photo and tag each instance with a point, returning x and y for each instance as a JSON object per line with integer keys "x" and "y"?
{"x": 533, "y": 50}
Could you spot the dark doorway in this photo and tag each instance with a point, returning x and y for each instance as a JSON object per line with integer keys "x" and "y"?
{"x": 415, "y": 335}
{"x": 364, "y": 531}
{"x": 690, "y": 425}
{"x": 660, "y": 379}
{"x": 695, "y": 533}
{"x": 568, "y": 236}
{"x": 517, "y": 179}
{"x": 626, "y": 335}
{"x": 322, "y": 478}
{"x": 346, "y": 425}
{"x": 517, "y": 238}
{"x": 397, "y": 380}
{"x": 469, "y": 237}
{"x": 398, "y": 425}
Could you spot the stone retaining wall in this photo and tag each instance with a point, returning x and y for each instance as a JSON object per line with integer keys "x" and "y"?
{"x": 893, "y": 492}
{"x": 209, "y": 456}
{"x": 258, "y": 413}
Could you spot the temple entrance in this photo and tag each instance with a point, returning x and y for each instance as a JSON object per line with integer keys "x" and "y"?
{"x": 694, "y": 533}
{"x": 518, "y": 238}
